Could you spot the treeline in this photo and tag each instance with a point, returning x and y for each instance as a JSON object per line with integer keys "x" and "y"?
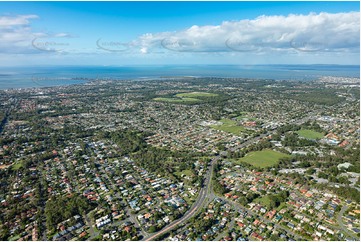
{"x": 61, "y": 208}
{"x": 292, "y": 140}
{"x": 275, "y": 200}
{"x": 218, "y": 188}
{"x": 162, "y": 161}
{"x": 318, "y": 96}
{"x": 263, "y": 144}
{"x": 3, "y": 120}
{"x": 313, "y": 126}
{"x": 347, "y": 192}
{"x": 129, "y": 141}
{"x": 288, "y": 127}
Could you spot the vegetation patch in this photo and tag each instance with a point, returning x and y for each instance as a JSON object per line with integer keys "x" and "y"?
{"x": 273, "y": 201}
{"x": 229, "y": 126}
{"x": 265, "y": 201}
{"x": 17, "y": 165}
{"x": 263, "y": 158}
{"x": 15, "y": 238}
{"x": 320, "y": 96}
{"x": 184, "y": 173}
{"x": 61, "y": 208}
{"x": 309, "y": 134}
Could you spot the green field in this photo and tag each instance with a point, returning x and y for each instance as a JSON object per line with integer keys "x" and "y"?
{"x": 196, "y": 94}
{"x": 264, "y": 200}
{"x": 310, "y": 134}
{"x": 263, "y": 158}
{"x": 243, "y": 115}
{"x": 184, "y": 172}
{"x": 16, "y": 237}
{"x": 17, "y": 165}
{"x": 187, "y": 98}
{"x": 229, "y": 126}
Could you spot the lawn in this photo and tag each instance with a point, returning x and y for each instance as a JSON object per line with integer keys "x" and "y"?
{"x": 16, "y": 237}
{"x": 229, "y": 126}
{"x": 263, "y": 158}
{"x": 310, "y": 134}
{"x": 264, "y": 200}
{"x": 17, "y": 165}
{"x": 184, "y": 172}
{"x": 196, "y": 94}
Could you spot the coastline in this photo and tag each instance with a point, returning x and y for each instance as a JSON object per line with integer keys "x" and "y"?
{"x": 39, "y": 77}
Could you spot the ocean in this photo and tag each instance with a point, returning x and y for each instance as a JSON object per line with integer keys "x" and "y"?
{"x": 26, "y": 77}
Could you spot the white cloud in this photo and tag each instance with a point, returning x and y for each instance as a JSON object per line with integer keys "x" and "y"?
{"x": 8, "y": 21}
{"x": 319, "y": 38}
{"x": 16, "y": 34}
{"x": 18, "y": 37}
{"x": 323, "y": 32}
{"x": 144, "y": 50}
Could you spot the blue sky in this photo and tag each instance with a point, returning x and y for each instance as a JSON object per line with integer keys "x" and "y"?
{"x": 129, "y": 33}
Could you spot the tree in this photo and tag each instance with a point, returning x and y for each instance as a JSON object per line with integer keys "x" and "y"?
{"x": 152, "y": 229}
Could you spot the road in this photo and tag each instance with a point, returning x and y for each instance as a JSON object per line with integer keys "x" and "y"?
{"x": 333, "y": 226}
{"x": 342, "y": 226}
{"x": 131, "y": 216}
{"x": 265, "y": 220}
{"x": 197, "y": 206}
{"x": 226, "y": 230}
{"x": 88, "y": 222}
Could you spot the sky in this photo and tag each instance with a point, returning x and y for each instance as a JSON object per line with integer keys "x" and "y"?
{"x": 159, "y": 33}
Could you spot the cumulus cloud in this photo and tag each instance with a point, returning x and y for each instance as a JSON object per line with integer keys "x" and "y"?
{"x": 18, "y": 37}
{"x": 324, "y": 32}
{"x": 9, "y": 21}
{"x": 16, "y": 33}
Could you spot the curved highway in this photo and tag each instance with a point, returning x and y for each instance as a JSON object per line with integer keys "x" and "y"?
{"x": 197, "y": 206}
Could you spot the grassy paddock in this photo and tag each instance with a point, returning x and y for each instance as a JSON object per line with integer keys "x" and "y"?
{"x": 229, "y": 126}
{"x": 264, "y": 200}
{"x": 263, "y": 158}
{"x": 17, "y": 165}
{"x": 184, "y": 172}
{"x": 309, "y": 134}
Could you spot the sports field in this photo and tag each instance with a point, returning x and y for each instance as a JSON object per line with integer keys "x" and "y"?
{"x": 229, "y": 126}
{"x": 310, "y": 134}
{"x": 263, "y": 158}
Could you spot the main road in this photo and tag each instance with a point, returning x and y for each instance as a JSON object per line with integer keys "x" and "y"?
{"x": 342, "y": 225}
{"x": 196, "y": 207}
